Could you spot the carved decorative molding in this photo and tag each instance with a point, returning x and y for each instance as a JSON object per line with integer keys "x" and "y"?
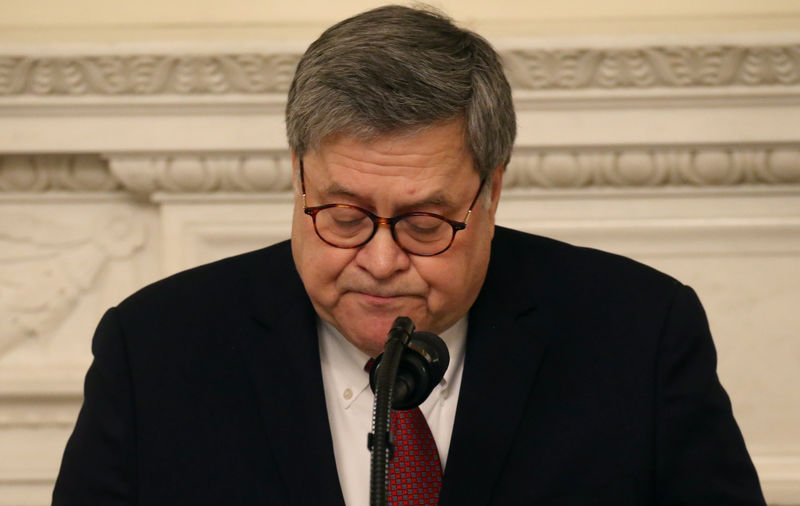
{"x": 641, "y": 167}
{"x": 654, "y": 167}
{"x": 200, "y": 174}
{"x": 80, "y": 173}
{"x": 46, "y": 265}
{"x": 654, "y": 66}
{"x": 147, "y": 74}
{"x": 646, "y": 66}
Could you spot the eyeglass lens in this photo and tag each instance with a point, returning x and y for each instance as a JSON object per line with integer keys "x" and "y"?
{"x": 348, "y": 227}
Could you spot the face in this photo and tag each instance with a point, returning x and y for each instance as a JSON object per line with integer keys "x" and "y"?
{"x": 361, "y": 291}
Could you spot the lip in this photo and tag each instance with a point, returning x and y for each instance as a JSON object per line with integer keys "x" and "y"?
{"x": 379, "y": 300}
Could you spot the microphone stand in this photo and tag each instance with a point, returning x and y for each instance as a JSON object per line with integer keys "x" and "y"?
{"x": 380, "y": 441}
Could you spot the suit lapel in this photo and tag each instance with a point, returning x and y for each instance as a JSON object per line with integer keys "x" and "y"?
{"x": 507, "y": 338}
{"x": 506, "y": 343}
{"x": 284, "y": 366}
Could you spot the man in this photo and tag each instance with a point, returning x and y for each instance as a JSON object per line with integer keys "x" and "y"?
{"x": 576, "y": 377}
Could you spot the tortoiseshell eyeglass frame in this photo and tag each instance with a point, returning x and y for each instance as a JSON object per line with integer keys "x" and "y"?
{"x": 390, "y": 222}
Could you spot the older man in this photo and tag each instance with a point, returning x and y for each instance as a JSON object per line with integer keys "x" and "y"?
{"x": 576, "y": 377}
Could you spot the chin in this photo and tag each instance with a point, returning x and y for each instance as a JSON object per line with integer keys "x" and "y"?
{"x": 368, "y": 335}
{"x": 368, "y": 328}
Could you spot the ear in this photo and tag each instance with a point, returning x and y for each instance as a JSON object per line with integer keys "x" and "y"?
{"x": 295, "y": 173}
{"x": 497, "y": 186}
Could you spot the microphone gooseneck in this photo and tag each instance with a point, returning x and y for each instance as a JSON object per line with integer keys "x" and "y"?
{"x": 402, "y": 377}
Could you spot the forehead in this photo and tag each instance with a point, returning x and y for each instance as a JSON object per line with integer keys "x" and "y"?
{"x": 435, "y": 157}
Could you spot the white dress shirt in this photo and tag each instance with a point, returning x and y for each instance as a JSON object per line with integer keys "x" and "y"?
{"x": 349, "y": 401}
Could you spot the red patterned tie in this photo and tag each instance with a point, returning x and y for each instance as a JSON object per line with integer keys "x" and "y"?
{"x": 415, "y": 473}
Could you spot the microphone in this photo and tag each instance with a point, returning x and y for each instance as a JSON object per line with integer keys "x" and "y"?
{"x": 423, "y": 362}
{"x": 402, "y": 377}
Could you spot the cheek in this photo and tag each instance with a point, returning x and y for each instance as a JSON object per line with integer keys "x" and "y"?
{"x": 321, "y": 269}
{"x": 449, "y": 284}
{"x": 319, "y": 265}
{"x": 455, "y": 282}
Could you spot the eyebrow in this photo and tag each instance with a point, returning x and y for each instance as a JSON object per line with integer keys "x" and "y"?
{"x": 437, "y": 198}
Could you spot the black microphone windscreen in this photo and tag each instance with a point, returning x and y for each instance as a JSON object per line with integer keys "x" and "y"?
{"x": 423, "y": 363}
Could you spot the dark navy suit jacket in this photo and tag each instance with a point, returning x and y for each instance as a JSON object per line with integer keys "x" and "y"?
{"x": 589, "y": 379}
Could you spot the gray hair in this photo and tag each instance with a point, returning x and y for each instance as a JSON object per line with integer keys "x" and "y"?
{"x": 397, "y": 69}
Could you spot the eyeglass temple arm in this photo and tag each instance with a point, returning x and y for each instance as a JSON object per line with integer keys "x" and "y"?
{"x": 469, "y": 211}
{"x": 303, "y": 183}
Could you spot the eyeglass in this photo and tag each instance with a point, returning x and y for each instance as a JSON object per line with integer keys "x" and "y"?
{"x": 418, "y": 233}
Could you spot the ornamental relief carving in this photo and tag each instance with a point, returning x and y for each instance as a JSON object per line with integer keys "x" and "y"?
{"x": 40, "y": 173}
{"x": 146, "y": 74}
{"x": 528, "y": 69}
{"x": 529, "y": 168}
{"x": 653, "y": 67}
{"x": 201, "y": 174}
{"x": 46, "y": 265}
{"x": 653, "y": 167}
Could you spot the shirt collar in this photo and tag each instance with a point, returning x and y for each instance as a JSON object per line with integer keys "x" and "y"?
{"x": 454, "y": 338}
{"x": 345, "y": 363}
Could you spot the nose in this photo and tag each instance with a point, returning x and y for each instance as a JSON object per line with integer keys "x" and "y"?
{"x": 381, "y": 256}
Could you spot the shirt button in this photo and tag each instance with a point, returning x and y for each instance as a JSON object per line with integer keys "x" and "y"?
{"x": 348, "y": 394}
{"x": 445, "y": 393}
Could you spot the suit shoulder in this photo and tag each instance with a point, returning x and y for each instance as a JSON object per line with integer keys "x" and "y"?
{"x": 578, "y": 266}
{"x": 216, "y": 281}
